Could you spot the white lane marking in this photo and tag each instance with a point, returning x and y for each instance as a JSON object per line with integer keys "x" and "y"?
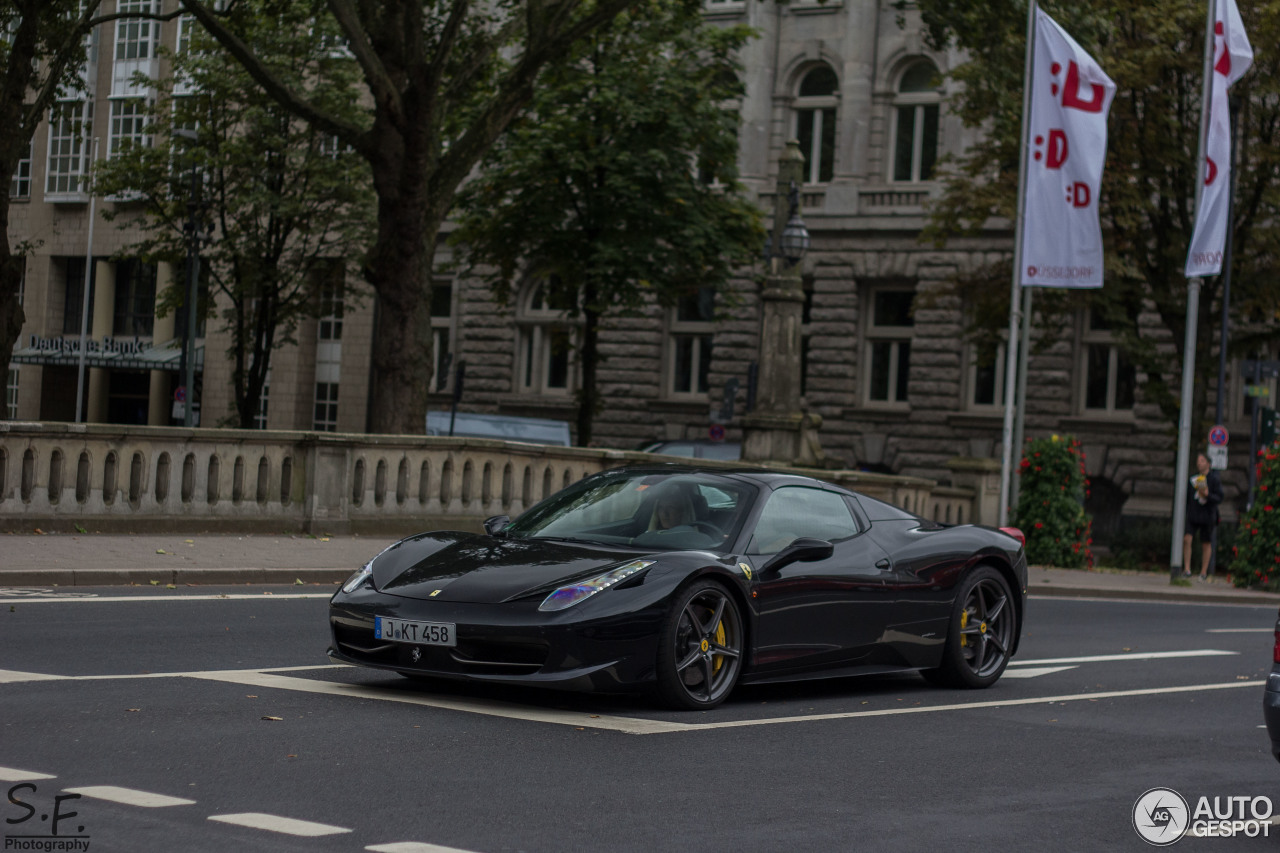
{"x": 1034, "y": 671}
{"x": 1239, "y": 630}
{"x": 9, "y": 676}
{"x": 1233, "y": 601}
{"x": 235, "y": 596}
{"x": 413, "y": 847}
{"x": 275, "y": 823}
{"x": 1042, "y": 700}
{"x": 13, "y": 774}
{"x": 630, "y": 725}
{"x": 130, "y": 797}
{"x": 1198, "y": 653}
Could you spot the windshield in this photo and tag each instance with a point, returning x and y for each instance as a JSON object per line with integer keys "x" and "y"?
{"x": 660, "y": 511}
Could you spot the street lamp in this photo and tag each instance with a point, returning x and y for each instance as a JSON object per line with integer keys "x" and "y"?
{"x": 192, "y": 229}
{"x": 795, "y": 236}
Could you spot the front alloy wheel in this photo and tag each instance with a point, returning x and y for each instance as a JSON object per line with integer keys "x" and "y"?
{"x": 700, "y": 647}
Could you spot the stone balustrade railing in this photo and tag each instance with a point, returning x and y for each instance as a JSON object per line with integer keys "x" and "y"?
{"x": 59, "y": 476}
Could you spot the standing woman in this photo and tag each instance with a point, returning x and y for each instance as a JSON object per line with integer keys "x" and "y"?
{"x": 1202, "y": 515}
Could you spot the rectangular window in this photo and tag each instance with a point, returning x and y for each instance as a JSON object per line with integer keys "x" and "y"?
{"x": 135, "y": 37}
{"x": 330, "y": 309}
{"x": 260, "y": 419}
{"x": 816, "y": 131}
{"x": 915, "y": 150}
{"x": 128, "y": 125}
{"x": 11, "y": 395}
{"x": 70, "y": 124}
{"x": 20, "y": 183}
{"x": 73, "y": 296}
{"x": 441, "y": 329}
{"x": 135, "y": 304}
{"x": 1110, "y": 380}
{"x": 326, "y": 412}
{"x": 887, "y": 348}
{"x": 692, "y": 333}
{"x": 986, "y": 378}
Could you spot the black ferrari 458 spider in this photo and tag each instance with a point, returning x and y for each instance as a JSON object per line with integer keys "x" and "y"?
{"x": 690, "y": 581}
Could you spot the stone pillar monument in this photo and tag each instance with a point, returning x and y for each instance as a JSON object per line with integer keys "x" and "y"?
{"x": 777, "y": 430}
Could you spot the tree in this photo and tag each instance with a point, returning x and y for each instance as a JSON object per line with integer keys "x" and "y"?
{"x": 42, "y": 51}
{"x": 291, "y": 206}
{"x": 444, "y": 79}
{"x": 1154, "y": 52}
{"x": 596, "y": 195}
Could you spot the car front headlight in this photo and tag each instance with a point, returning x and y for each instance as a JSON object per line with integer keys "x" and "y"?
{"x": 359, "y": 578}
{"x": 571, "y": 594}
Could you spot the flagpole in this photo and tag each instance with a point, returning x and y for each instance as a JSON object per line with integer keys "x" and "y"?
{"x": 1193, "y": 313}
{"x": 1011, "y": 357}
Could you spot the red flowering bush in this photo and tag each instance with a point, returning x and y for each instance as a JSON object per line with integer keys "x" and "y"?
{"x": 1051, "y": 503}
{"x": 1257, "y": 548}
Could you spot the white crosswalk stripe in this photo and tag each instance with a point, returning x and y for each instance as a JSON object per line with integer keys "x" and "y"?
{"x": 275, "y": 823}
{"x": 130, "y": 797}
{"x": 12, "y": 774}
{"x": 412, "y": 847}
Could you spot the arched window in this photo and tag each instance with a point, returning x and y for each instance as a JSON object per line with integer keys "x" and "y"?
{"x": 545, "y": 363}
{"x": 915, "y": 146}
{"x": 816, "y": 123}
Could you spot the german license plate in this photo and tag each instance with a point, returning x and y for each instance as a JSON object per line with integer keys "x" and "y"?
{"x": 422, "y": 633}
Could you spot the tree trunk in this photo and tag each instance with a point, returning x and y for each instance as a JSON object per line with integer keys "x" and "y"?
{"x": 399, "y": 270}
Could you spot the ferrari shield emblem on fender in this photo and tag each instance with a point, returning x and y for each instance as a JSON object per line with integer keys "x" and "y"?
{"x": 434, "y": 593}
{"x": 746, "y": 570}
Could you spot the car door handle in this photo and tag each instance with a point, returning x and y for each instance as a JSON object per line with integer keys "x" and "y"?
{"x": 884, "y": 564}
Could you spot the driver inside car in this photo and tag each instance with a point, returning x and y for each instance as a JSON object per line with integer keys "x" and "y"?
{"x": 672, "y": 509}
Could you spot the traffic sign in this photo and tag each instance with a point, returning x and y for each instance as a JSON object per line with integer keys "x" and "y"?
{"x": 1217, "y": 454}
{"x": 1218, "y": 436}
{"x": 180, "y": 394}
{"x": 716, "y": 433}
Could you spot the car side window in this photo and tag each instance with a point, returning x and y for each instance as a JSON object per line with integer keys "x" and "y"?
{"x": 793, "y": 512}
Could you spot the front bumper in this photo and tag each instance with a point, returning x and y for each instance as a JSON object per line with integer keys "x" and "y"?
{"x": 504, "y": 643}
{"x": 1271, "y": 710}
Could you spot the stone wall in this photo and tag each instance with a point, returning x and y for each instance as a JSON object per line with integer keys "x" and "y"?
{"x": 134, "y": 479}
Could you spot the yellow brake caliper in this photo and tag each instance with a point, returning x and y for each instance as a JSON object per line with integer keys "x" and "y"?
{"x": 720, "y": 642}
{"x": 964, "y": 623}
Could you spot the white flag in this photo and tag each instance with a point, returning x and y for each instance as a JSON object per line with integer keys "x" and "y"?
{"x": 1070, "y": 98}
{"x": 1232, "y": 57}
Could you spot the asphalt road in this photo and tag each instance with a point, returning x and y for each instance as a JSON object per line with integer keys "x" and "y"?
{"x": 227, "y": 707}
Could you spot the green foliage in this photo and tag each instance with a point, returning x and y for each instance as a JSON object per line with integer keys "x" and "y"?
{"x": 620, "y": 188}
{"x": 1154, "y": 51}
{"x": 1051, "y": 503}
{"x": 290, "y": 205}
{"x": 1257, "y": 548}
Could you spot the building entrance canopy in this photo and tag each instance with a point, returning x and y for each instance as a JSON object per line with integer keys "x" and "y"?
{"x": 119, "y": 353}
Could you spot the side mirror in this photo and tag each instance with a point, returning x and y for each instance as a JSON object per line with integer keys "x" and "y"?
{"x": 493, "y": 524}
{"x": 802, "y": 550}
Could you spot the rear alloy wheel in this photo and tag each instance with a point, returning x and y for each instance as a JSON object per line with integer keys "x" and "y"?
{"x": 982, "y": 631}
{"x": 700, "y": 647}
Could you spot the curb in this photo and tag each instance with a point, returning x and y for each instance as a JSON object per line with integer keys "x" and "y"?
{"x": 176, "y": 577}
{"x": 1255, "y": 599}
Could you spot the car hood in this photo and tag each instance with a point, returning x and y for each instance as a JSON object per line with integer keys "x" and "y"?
{"x": 486, "y": 569}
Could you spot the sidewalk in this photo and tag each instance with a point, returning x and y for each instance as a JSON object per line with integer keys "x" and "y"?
{"x": 98, "y": 559}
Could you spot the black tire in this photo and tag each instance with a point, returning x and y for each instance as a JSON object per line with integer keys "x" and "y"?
{"x": 983, "y": 628}
{"x": 700, "y": 647}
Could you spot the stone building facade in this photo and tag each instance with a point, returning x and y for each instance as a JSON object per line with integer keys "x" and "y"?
{"x": 885, "y": 361}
